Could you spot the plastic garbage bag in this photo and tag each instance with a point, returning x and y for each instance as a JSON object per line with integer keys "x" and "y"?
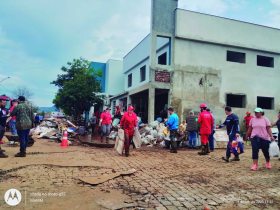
{"x": 116, "y": 121}
{"x": 273, "y": 149}
{"x": 119, "y": 144}
{"x": 137, "y": 139}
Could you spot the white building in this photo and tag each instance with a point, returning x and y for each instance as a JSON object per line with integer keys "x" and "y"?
{"x": 189, "y": 58}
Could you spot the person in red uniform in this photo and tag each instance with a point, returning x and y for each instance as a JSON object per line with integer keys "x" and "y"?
{"x": 247, "y": 120}
{"x": 105, "y": 123}
{"x": 128, "y": 123}
{"x": 206, "y": 121}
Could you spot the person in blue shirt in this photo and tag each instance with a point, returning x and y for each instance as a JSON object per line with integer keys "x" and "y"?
{"x": 172, "y": 124}
{"x": 233, "y": 132}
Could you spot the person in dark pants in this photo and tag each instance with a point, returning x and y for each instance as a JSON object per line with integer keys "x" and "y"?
{"x": 260, "y": 133}
{"x": 24, "y": 116}
{"x": 233, "y": 132}
{"x": 128, "y": 123}
{"x": 211, "y": 136}
{"x": 277, "y": 123}
{"x": 3, "y": 119}
{"x": 173, "y": 124}
{"x": 37, "y": 120}
{"x": 192, "y": 128}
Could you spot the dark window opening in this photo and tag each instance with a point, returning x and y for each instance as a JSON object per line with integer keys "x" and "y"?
{"x": 236, "y": 57}
{"x": 265, "y": 61}
{"x": 142, "y": 73}
{"x": 265, "y": 102}
{"x": 129, "y": 80}
{"x": 238, "y": 101}
{"x": 162, "y": 59}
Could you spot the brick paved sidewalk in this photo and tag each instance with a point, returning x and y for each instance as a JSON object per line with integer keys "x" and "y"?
{"x": 162, "y": 181}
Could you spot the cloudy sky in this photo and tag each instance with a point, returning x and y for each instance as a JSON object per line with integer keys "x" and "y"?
{"x": 38, "y": 37}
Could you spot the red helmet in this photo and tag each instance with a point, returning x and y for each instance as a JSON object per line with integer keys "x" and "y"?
{"x": 203, "y": 106}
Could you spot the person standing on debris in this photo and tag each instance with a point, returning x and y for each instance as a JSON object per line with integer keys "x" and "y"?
{"x": 24, "y": 123}
{"x": 206, "y": 122}
{"x": 128, "y": 124}
{"x": 172, "y": 124}
{"x": 12, "y": 121}
{"x": 260, "y": 133}
{"x": 233, "y": 132}
{"x": 105, "y": 123}
{"x": 3, "y": 119}
{"x": 192, "y": 128}
{"x": 211, "y": 136}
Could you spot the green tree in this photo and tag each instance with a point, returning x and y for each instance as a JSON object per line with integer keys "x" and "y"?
{"x": 77, "y": 88}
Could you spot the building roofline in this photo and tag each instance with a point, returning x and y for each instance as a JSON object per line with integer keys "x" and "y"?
{"x": 118, "y": 95}
{"x": 136, "y": 45}
{"x": 240, "y": 21}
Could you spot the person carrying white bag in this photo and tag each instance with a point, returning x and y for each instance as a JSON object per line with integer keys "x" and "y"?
{"x": 129, "y": 124}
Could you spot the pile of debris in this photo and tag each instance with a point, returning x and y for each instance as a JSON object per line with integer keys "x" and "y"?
{"x": 52, "y": 128}
{"x": 150, "y": 134}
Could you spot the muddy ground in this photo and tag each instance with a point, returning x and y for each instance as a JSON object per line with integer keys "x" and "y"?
{"x": 49, "y": 178}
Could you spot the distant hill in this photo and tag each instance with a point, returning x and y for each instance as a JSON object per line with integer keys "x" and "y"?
{"x": 48, "y": 109}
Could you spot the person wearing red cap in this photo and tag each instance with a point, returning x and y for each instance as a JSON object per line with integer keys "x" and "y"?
{"x": 206, "y": 121}
{"x": 128, "y": 123}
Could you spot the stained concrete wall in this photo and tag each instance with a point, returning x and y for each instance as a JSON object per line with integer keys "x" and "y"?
{"x": 222, "y": 77}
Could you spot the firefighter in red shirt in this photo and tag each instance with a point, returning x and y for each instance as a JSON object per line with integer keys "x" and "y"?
{"x": 128, "y": 123}
{"x": 206, "y": 121}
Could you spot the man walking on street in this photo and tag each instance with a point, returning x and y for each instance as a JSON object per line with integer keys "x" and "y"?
{"x": 233, "y": 132}
{"x": 173, "y": 124}
{"x": 24, "y": 116}
{"x": 206, "y": 121}
{"x": 3, "y": 119}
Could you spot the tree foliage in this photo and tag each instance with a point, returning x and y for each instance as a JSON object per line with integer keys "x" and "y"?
{"x": 77, "y": 88}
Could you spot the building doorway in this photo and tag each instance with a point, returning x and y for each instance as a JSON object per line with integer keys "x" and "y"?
{"x": 161, "y": 103}
{"x": 140, "y": 102}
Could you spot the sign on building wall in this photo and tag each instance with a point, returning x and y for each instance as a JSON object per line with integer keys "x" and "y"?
{"x": 162, "y": 76}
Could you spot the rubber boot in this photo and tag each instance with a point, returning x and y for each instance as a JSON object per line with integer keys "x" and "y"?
{"x": 173, "y": 147}
{"x": 207, "y": 149}
{"x": 226, "y": 159}
{"x": 236, "y": 158}
{"x": 203, "y": 150}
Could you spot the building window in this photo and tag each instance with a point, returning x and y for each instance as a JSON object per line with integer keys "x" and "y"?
{"x": 162, "y": 59}
{"x": 129, "y": 82}
{"x": 265, "y": 61}
{"x": 237, "y": 57}
{"x": 265, "y": 102}
{"x": 143, "y": 73}
{"x": 235, "y": 100}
